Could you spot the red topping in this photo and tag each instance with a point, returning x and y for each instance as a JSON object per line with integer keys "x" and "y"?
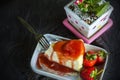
{"x": 42, "y": 59}
{"x": 69, "y": 49}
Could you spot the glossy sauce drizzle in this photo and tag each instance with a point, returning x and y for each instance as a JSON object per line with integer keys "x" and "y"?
{"x": 42, "y": 59}
{"x": 69, "y": 50}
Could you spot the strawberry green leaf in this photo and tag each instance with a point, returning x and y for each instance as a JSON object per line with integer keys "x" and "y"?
{"x": 93, "y": 73}
{"x": 91, "y": 56}
{"x": 102, "y": 53}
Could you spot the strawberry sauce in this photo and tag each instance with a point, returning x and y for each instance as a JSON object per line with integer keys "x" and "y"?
{"x": 42, "y": 59}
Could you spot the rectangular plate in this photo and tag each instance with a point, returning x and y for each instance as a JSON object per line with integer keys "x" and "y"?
{"x": 52, "y": 38}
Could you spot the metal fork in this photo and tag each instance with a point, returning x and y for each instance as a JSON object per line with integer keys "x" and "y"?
{"x": 44, "y": 43}
{"x": 39, "y": 37}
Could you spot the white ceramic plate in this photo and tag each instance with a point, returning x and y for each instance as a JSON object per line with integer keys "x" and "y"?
{"x": 51, "y": 38}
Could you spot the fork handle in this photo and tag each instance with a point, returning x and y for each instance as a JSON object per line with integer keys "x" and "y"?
{"x": 29, "y": 27}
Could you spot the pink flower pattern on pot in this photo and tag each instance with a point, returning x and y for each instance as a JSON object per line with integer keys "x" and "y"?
{"x": 69, "y": 16}
{"x": 104, "y": 18}
{"x": 76, "y": 22}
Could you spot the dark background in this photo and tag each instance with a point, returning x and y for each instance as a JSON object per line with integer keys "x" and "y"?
{"x": 17, "y": 43}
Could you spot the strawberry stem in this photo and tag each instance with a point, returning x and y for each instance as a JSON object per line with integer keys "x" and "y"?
{"x": 99, "y": 72}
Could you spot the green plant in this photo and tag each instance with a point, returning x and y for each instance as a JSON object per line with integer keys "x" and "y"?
{"x": 92, "y": 6}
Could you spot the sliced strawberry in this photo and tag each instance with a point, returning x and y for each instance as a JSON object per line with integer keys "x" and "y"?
{"x": 88, "y": 73}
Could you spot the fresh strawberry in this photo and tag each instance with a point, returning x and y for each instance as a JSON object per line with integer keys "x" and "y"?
{"x": 101, "y": 57}
{"x": 90, "y": 59}
{"x": 88, "y": 73}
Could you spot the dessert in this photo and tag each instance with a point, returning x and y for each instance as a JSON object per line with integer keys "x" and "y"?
{"x": 63, "y": 57}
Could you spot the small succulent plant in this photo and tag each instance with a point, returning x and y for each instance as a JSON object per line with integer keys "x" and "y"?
{"x": 92, "y": 6}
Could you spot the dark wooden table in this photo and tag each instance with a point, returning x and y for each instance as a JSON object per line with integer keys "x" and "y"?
{"x": 17, "y": 43}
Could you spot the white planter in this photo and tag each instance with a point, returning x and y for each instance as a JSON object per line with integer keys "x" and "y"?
{"x": 84, "y": 28}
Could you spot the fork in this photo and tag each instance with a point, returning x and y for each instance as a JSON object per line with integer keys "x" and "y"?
{"x": 39, "y": 37}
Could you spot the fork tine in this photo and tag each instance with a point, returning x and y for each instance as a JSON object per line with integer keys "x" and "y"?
{"x": 47, "y": 42}
{"x": 44, "y": 43}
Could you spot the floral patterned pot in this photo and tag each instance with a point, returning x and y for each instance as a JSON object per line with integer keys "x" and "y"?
{"x": 84, "y": 28}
